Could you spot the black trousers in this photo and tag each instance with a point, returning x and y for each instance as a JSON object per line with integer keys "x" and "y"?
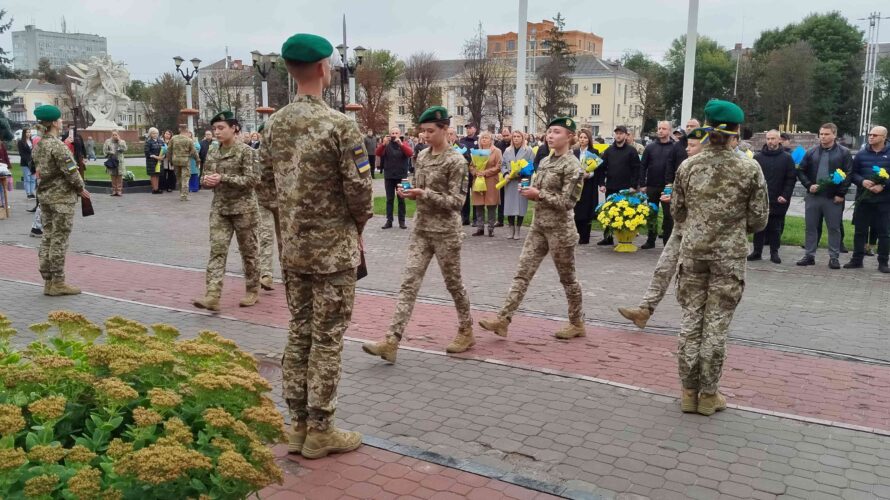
{"x": 465, "y": 211}
{"x": 168, "y": 180}
{"x": 583, "y": 227}
{"x": 501, "y": 208}
{"x": 771, "y": 235}
{"x": 391, "y": 185}
{"x": 372, "y": 160}
{"x": 667, "y": 222}
{"x": 876, "y": 218}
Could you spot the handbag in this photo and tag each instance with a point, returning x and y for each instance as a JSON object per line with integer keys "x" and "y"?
{"x": 112, "y": 162}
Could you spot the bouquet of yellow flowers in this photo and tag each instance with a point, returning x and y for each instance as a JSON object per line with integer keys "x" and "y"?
{"x": 626, "y": 211}
{"x": 835, "y": 179}
{"x": 520, "y": 168}
{"x": 590, "y": 161}
{"x": 879, "y": 176}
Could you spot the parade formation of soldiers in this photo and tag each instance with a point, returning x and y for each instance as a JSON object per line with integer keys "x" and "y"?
{"x": 311, "y": 182}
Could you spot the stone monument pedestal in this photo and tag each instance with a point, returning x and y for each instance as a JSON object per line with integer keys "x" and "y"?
{"x": 130, "y": 136}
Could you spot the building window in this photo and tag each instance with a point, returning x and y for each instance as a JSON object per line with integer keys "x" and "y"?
{"x": 574, "y": 89}
{"x": 401, "y": 91}
{"x": 618, "y": 109}
{"x": 594, "y": 110}
{"x": 460, "y": 130}
{"x": 402, "y": 110}
{"x": 526, "y": 110}
{"x": 596, "y": 89}
{"x": 511, "y": 45}
{"x": 460, "y": 110}
{"x": 402, "y": 128}
{"x": 497, "y": 47}
{"x": 573, "y": 110}
{"x": 460, "y": 91}
{"x": 596, "y": 130}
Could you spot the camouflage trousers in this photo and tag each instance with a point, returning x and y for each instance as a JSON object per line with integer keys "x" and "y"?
{"x": 265, "y": 234}
{"x": 664, "y": 272}
{"x": 537, "y": 244}
{"x": 709, "y": 292}
{"x": 321, "y": 309}
{"x": 57, "y": 219}
{"x": 421, "y": 249}
{"x": 221, "y": 229}
{"x": 182, "y": 175}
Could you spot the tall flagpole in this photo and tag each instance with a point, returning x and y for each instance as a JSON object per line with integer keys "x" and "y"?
{"x": 689, "y": 69}
{"x": 519, "y": 96}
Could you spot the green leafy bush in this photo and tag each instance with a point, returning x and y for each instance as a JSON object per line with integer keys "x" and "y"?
{"x": 143, "y": 415}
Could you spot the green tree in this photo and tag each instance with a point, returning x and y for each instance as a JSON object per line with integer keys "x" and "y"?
{"x": 554, "y": 76}
{"x": 47, "y": 73}
{"x": 5, "y": 61}
{"x": 136, "y": 90}
{"x": 714, "y": 75}
{"x": 881, "y": 114}
{"x": 786, "y": 80}
{"x": 166, "y": 97}
{"x": 649, "y": 87}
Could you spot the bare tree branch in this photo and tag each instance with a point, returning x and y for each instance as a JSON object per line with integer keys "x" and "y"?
{"x": 421, "y": 72}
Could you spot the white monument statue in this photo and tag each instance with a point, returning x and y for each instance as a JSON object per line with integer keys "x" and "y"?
{"x": 101, "y": 87}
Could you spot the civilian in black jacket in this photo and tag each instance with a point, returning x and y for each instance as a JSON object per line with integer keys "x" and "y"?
{"x": 657, "y": 170}
{"x": 819, "y": 163}
{"x": 202, "y": 154}
{"x": 620, "y": 169}
{"x": 470, "y": 141}
{"x": 587, "y": 202}
{"x": 396, "y": 157}
{"x": 872, "y": 212}
{"x": 778, "y": 170}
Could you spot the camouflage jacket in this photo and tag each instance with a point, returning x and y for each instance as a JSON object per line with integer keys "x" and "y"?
{"x": 315, "y": 167}
{"x": 719, "y": 197}
{"x": 560, "y": 181}
{"x": 183, "y": 149}
{"x": 235, "y": 193}
{"x": 60, "y": 181}
{"x": 444, "y": 181}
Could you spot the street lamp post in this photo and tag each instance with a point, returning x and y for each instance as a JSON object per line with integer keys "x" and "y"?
{"x": 347, "y": 72}
{"x": 264, "y": 64}
{"x": 188, "y": 75}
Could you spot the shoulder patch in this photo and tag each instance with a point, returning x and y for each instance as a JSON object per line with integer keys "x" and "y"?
{"x": 360, "y": 158}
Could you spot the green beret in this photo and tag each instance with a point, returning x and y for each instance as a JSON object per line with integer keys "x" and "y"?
{"x": 433, "y": 114}
{"x": 261, "y": 127}
{"x": 564, "y": 122}
{"x": 222, "y": 116}
{"x": 698, "y": 133}
{"x": 718, "y": 112}
{"x": 47, "y": 113}
{"x": 306, "y": 48}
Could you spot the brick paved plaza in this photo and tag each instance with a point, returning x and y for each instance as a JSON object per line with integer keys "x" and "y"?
{"x": 527, "y": 416}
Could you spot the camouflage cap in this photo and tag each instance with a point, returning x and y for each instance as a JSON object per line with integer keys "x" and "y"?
{"x": 564, "y": 122}
{"x": 222, "y": 116}
{"x": 433, "y": 114}
{"x": 717, "y": 112}
{"x": 47, "y": 113}
{"x": 306, "y": 48}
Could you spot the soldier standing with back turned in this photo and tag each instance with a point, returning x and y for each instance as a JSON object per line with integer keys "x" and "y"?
{"x": 718, "y": 197}
{"x": 183, "y": 148}
{"x": 316, "y": 179}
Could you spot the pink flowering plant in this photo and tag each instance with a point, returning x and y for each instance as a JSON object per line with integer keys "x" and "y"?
{"x": 142, "y": 415}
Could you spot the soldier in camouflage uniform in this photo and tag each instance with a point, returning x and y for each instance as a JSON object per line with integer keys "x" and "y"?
{"x": 718, "y": 197}
{"x": 670, "y": 255}
{"x": 231, "y": 172}
{"x": 265, "y": 234}
{"x": 60, "y": 187}
{"x": 439, "y": 186}
{"x": 316, "y": 179}
{"x": 183, "y": 148}
{"x": 555, "y": 188}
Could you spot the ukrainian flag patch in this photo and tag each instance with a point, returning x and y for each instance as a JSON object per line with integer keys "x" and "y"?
{"x": 362, "y": 164}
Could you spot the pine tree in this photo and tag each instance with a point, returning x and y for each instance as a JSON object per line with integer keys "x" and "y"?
{"x": 555, "y": 76}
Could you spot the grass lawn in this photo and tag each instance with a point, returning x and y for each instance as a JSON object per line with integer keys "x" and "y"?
{"x": 93, "y": 173}
{"x": 794, "y": 234}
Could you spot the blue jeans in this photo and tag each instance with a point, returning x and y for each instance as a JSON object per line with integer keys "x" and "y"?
{"x": 29, "y": 181}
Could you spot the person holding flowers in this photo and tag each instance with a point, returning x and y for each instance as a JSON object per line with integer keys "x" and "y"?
{"x": 485, "y": 167}
{"x": 584, "y": 209}
{"x": 515, "y": 205}
{"x": 718, "y": 197}
{"x": 555, "y": 189}
{"x": 871, "y": 172}
{"x": 824, "y": 172}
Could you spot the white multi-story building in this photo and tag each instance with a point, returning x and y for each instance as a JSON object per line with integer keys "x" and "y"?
{"x": 31, "y": 45}
{"x": 228, "y": 84}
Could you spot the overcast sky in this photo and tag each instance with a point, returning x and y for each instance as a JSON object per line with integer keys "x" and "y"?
{"x": 146, "y": 34}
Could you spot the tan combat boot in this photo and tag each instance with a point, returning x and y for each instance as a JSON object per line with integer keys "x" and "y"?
{"x": 689, "y": 401}
{"x": 386, "y": 349}
{"x": 319, "y": 444}
{"x": 710, "y": 403}
{"x": 250, "y": 298}
{"x": 462, "y": 342}
{"x": 571, "y": 331}
{"x": 497, "y": 326}
{"x": 266, "y": 283}
{"x": 48, "y": 288}
{"x": 209, "y": 302}
{"x": 296, "y": 438}
{"x": 638, "y": 315}
{"x": 61, "y": 288}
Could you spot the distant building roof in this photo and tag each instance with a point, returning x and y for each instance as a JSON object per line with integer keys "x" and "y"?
{"x": 585, "y": 65}
{"x": 32, "y": 84}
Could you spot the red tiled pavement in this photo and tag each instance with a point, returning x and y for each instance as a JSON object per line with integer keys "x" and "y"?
{"x": 834, "y": 390}
{"x": 374, "y": 473}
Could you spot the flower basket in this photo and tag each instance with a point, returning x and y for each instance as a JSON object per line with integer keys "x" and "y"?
{"x": 624, "y": 214}
{"x": 143, "y": 415}
{"x": 625, "y": 239}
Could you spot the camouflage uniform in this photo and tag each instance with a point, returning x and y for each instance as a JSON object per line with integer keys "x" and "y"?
{"x": 316, "y": 172}
{"x": 718, "y": 197}
{"x": 183, "y": 148}
{"x": 553, "y": 230}
{"x": 437, "y": 232}
{"x": 59, "y": 189}
{"x": 664, "y": 270}
{"x": 265, "y": 233}
{"x": 233, "y": 210}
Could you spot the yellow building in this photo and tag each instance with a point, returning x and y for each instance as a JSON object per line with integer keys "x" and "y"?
{"x": 603, "y": 97}
{"x": 30, "y": 93}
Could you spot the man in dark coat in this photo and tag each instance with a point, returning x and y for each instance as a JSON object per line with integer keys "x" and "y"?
{"x": 620, "y": 169}
{"x": 778, "y": 170}
{"x": 657, "y": 171}
{"x": 396, "y": 157}
{"x": 873, "y": 205}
